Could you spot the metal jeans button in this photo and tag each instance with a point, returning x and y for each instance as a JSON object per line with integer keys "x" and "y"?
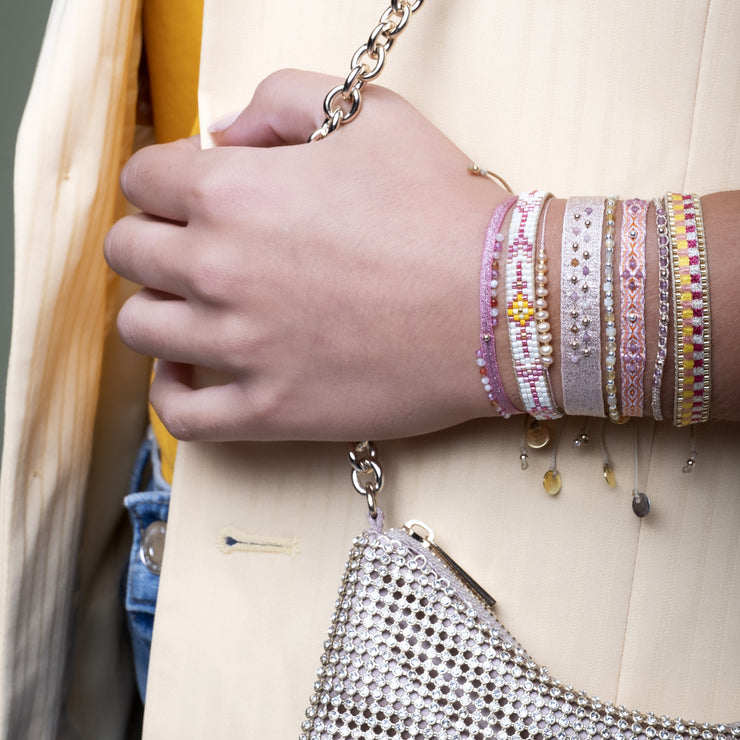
{"x": 152, "y": 546}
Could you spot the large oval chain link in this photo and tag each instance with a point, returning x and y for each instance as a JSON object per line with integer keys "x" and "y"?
{"x": 367, "y": 475}
{"x": 342, "y": 103}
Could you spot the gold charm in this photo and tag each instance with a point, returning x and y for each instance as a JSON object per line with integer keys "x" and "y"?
{"x": 609, "y": 476}
{"x": 538, "y": 435}
{"x": 552, "y": 482}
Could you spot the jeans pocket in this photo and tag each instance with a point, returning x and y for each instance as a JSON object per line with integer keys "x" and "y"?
{"x": 148, "y": 511}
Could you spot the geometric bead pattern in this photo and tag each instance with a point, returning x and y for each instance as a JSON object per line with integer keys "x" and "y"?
{"x": 632, "y": 284}
{"x": 411, "y": 653}
{"x": 691, "y": 309}
{"x": 531, "y": 374}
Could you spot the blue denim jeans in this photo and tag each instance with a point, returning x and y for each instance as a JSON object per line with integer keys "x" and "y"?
{"x": 148, "y": 505}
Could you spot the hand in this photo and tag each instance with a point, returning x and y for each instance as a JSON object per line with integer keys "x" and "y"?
{"x": 332, "y": 287}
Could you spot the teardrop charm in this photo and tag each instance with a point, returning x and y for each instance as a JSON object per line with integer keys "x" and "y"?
{"x": 640, "y": 504}
{"x": 538, "y": 435}
{"x": 524, "y": 459}
{"x": 609, "y": 476}
{"x": 552, "y": 482}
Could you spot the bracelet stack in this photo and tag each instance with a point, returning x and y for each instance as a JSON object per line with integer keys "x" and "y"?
{"x": 603, "y": 280}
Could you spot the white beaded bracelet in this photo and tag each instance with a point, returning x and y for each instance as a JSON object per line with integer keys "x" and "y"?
{"x": 531, "y": 374}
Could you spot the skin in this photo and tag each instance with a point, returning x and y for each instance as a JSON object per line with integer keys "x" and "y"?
{"x": 303, "y": 291}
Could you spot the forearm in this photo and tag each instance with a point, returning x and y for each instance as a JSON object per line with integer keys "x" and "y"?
{"x": 722, "y": 221}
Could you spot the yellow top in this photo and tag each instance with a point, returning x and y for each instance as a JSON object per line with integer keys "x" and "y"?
{"x": 172, "y": 34}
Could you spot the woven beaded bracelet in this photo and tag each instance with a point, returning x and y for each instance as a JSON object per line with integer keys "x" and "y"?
{"x": 489, "y": 281}
{"x": 691, "y": 309}
{"x": 632, "y": 314}
{"x": 610, "y": 343}
{"x": 531, "y": 375}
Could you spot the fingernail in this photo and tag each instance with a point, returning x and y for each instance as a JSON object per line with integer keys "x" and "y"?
{"x": 223, "y": 123}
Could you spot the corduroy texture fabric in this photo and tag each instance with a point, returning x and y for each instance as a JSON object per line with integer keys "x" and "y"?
{"x": 77, "y": 131}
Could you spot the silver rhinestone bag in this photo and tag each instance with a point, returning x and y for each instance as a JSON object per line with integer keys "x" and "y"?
{"x": 415, "y": 651}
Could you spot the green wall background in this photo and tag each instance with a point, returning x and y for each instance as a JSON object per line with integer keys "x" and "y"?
{"x": 21, "y": 31}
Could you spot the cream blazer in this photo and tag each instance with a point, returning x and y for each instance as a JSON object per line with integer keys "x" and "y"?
{"x": 576, "y": 96}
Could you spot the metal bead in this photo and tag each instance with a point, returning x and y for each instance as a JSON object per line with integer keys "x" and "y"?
{"x": 640, "y": 504}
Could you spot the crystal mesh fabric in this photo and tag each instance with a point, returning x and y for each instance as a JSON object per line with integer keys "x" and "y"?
{"x": 412, "y": 654}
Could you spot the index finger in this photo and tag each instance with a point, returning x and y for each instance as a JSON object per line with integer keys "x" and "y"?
{"x": 157, "y": 178}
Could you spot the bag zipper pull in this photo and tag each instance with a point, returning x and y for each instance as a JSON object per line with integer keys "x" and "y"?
{"x": 425, "y": 535}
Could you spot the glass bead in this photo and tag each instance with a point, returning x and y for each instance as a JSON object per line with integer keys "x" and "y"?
{"x": 552, "y": 482}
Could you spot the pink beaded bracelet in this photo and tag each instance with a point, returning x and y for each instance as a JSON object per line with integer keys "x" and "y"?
{"x": 531, "y": 374}
{"x": 632, "y": 314}
{"x": 489, "y": 281}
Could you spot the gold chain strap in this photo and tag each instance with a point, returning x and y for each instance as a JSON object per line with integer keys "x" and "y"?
{"x": 341, "y": 104}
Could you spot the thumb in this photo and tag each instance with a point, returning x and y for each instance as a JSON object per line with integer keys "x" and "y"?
{"x": 287, "y": 108}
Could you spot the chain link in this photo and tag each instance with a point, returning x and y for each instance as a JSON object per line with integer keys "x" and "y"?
{"x": 367, "y": 475}
{"x": 343, "y": 102}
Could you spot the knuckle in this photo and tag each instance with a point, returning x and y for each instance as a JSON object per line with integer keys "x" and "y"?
{"x": 277, "y": 81}
{"x": 174, "y": 420}
{"x": 130, "y": 327}
{"x": 213, "y": 189}
{"x": 211, "y": 278}
{"x": 131, "y": 175}
{"x": 202, "y": 192}
{"x": 119, "y": 247}
{"x": 176, "y": 424}
{"x": 171, "y": 410}
{"x": 111, "y": 246}
{"x": 265, "y": 407}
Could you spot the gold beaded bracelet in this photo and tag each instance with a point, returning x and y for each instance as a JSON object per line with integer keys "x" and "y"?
{"x": 690, "y": 309}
